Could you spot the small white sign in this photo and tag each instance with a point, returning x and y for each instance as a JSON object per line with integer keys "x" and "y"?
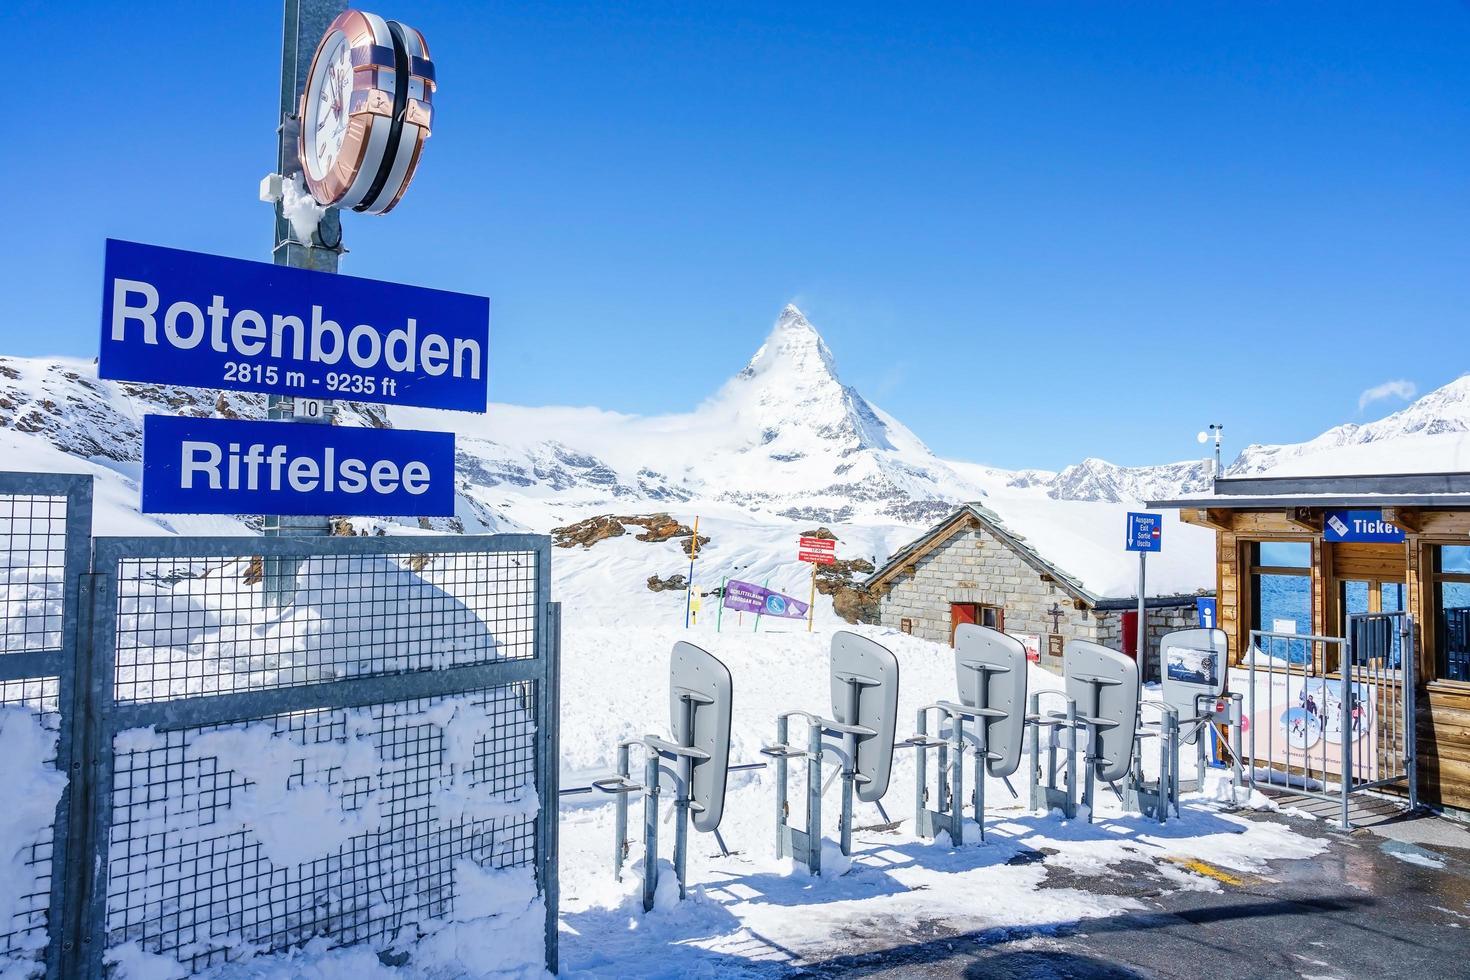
{"x": 314, "y": 409}
{"x": 1283, "y": 626}
{"x": 1032, "y": 643}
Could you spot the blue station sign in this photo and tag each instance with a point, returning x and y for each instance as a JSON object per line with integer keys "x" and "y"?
{"x": 1360, "y": 526}
{"x": 182, "y": 318}
{"x": 230, "y": 466}
{"x": 1207, "y": 612}
{"x": 1145, "y": 532}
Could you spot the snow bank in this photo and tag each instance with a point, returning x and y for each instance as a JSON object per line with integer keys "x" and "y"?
{"x": 33, "y": 787}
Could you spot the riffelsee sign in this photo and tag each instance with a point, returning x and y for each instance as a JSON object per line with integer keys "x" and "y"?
{"x": 229, "y": 466}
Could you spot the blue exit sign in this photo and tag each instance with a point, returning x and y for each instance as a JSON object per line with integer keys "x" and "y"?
{"x": 1145, "y": 532}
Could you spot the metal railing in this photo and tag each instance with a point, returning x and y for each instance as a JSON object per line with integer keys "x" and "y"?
{"x": 258, "y": 767}
{"x": 1330, "y": 716}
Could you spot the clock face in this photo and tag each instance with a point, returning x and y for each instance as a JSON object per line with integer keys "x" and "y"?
{"x": 328, "y": 116}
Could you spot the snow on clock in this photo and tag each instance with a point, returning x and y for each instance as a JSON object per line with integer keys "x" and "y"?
{"x": 365, "y": 113}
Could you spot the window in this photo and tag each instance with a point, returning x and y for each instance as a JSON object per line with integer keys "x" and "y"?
{"x": 1452, "y": 605}
{"x": 1281, "y": 596}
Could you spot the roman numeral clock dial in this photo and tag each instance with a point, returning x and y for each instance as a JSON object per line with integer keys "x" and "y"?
{"x": 366, "y": 112}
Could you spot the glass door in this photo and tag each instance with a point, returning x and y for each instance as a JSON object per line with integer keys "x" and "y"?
{"x": 1358, "y": 596}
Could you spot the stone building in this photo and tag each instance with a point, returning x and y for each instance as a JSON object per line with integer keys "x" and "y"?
{"x": 971, "y": 568}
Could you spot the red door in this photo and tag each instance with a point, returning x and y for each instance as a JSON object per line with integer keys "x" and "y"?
{"x": 961, "y": 613}
{"x": 1130, "y": 634}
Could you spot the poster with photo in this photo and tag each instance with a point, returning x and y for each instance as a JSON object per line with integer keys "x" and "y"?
{"x": 1298, "y": 722}
{"x": 1192, "y": 666}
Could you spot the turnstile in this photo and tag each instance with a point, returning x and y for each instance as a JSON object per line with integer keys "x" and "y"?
{"x": 864, "y": 694}
{"x": 700, "y": 691}
{"x": 990, "y": 674}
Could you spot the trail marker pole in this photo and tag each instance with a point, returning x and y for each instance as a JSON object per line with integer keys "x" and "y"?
{"x": 720, "y": 615}
{"x": 811, "y": 606}
{"x": 693, "y": 554}
{"x": 764, "y": 585}
{"x": 815, "y": 551}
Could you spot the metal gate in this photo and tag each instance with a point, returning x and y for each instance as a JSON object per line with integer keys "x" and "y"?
{"x": 45, "y": 530}
{"x": 1330, "y": 716}
{"x": 257, "y": 769}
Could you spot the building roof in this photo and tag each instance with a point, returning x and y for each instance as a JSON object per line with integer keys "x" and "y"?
{"x": 1445, "y": 490}
{"x": 977, "y": 514}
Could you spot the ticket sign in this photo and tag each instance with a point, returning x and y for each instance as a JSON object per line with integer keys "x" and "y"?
{"x": 182, "y": 318}
{"x": 230, "y": 466}
{"x": 1360, "y": 526}
{"x": 1145, "y": 532}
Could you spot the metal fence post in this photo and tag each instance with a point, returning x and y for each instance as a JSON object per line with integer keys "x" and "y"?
{"x": 96, "y": 675}
{"x": 1409, "y": 674}
{"x": 650, "y": 828}
{"x": 1345, "y": 725}
{"x": 781, "y": 809}
{"x": 550, "y": 762}
{"x": 921, "y": 775}
{"x": 77, "y": 871}
{"x": 814, "y": 799}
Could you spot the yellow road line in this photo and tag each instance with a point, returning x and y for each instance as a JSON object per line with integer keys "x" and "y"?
{"x": 1208, "y": 870}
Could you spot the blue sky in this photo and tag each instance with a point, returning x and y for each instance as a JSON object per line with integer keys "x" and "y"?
{"x": 1031, "y": 231}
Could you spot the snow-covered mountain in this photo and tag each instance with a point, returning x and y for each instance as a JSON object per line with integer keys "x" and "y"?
{"x": 1430, "y": 435}
{"x": 1097, "y": 479}
{"x": 785, "y": 436}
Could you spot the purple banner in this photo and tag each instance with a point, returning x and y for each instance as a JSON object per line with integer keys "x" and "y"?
{"x": 747, "y": 597}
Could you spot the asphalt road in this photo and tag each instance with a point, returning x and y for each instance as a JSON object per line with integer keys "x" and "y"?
{"x": 1354, "y": 911}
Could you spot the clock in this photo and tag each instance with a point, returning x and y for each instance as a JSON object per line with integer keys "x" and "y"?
{"x": 365, "y": 113}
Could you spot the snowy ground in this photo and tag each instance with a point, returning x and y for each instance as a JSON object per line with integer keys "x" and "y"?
{"x": 752, "y": 912}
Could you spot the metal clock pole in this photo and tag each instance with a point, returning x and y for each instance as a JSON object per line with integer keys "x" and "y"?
{"x": 304, "y": 23}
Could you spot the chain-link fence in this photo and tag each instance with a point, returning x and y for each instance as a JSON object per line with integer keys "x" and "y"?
{"x": 356, "y": 748}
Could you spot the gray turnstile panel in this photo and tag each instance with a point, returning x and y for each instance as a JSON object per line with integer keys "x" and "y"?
{"x": 1005, "y": 683}
{"x": 1194, "y": 663}
{"x": 699, "y": 680}
{"x": 876, "y": 669}
{"x": 1113, "y": 701}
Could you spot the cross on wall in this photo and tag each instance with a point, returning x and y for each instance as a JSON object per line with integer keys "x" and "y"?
{"x": 1056, "y": 613}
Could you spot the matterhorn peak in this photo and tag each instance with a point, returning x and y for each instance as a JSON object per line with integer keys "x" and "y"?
{"x": 793, "y": 347}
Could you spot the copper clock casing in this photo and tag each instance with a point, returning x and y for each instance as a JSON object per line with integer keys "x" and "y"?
{"x": 382, "y": 145}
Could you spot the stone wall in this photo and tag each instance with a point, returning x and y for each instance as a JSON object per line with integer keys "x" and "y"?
{"x": 973, "y": 566}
